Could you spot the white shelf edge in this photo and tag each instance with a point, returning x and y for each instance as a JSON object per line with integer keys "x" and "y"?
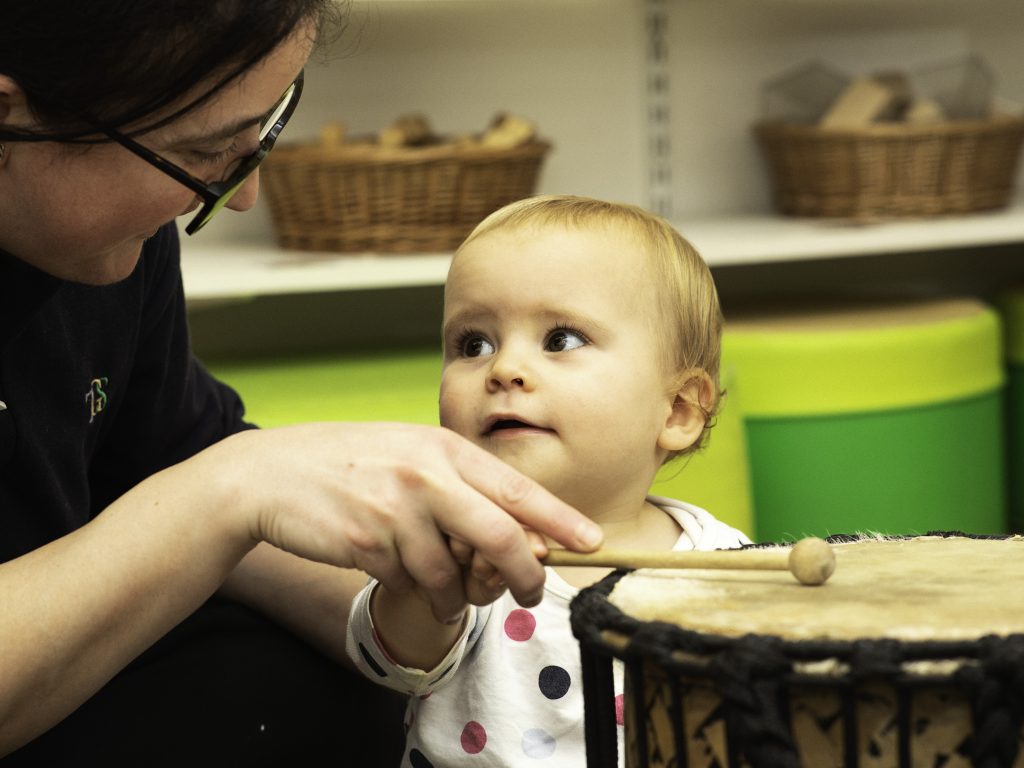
{"x": 219, "y": 272}
{"x": 216, "y": 272}
{"x": 768, "y": 238}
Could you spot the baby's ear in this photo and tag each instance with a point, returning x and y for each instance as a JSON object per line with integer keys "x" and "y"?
{"x": 693, "y": 400}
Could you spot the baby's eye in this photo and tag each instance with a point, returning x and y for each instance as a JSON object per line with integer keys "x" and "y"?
{"x": 564, "y": 339}
{"x": 475, "y": 345}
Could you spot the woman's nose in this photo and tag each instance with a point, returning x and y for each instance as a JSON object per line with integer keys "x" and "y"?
{"x": 245, "y": 197}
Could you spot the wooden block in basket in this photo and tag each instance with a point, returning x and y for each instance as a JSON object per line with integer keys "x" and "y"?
{"x": 379, "y": 194}
{"x": 407, "y": 131}
{"x": 892, "y": 170}
{"x": 860, "y": 104}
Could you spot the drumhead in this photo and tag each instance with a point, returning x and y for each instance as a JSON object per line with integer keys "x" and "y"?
{"x": 925, "y": 588}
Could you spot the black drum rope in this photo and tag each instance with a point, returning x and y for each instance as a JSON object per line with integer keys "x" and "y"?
{"x": 997, "y": 683}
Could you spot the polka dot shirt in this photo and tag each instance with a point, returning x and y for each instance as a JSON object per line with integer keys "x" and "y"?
{"x": 510, "y": 692}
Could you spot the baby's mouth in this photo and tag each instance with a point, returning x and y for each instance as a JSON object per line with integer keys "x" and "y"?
{"x": 503, "y": 424}
{"x": 499, "y": 426}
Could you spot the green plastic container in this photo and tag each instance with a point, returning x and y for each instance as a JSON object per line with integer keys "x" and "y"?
{"x": 1012, "y": 306}
{"x": 873, "y": 417}
{"x": 397, "y": 386}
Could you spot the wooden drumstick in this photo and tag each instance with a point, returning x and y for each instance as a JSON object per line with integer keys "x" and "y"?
{"x": 810, "y": 560}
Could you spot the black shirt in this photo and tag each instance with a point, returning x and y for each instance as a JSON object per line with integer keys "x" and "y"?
{"x": 101, "y": 390}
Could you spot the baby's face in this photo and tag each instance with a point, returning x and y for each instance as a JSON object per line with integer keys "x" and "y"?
{"x": 552, "y": 357}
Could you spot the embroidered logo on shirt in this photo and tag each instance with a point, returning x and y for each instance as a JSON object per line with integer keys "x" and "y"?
{"x": 96, "y": 398}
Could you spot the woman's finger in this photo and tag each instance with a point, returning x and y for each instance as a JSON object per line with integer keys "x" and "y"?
{"x": 427, "y": 557}
{"x": 481, "y": 568}
{"x": 527, "y": 501}
{"x": 489, "y": 509}
{"x": 484, "y": 592}
{"x": 461, "y": 551}
{"x": 537, "y": 544}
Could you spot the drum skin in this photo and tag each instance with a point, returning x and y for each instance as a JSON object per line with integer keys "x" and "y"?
{"x": 911, "y": 654}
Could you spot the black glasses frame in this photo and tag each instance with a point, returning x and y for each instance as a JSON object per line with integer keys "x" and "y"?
{"x": 215, "y": 195}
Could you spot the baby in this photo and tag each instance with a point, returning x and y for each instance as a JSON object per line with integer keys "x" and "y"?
{"x": 581, "y": 345}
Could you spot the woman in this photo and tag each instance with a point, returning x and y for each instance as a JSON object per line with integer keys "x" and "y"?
{"x": 152, "y": 545}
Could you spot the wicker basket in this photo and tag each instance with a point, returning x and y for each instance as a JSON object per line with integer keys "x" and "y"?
{"x": 359, "y": 197}
{"x": 892, "y": 170}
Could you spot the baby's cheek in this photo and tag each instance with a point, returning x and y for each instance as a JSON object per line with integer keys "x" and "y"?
{"x": 445, "y": 413}
{"x": 449, "y": 412}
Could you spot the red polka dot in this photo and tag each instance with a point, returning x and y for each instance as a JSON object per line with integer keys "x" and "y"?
{"x": 474, "y": 738}
{"x": 519, "y": 625}
{"x": 620, "y": 716}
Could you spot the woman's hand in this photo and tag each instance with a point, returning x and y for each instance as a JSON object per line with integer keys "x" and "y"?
{"x": 385, "y": 498}
{"x": 481, "y": 581}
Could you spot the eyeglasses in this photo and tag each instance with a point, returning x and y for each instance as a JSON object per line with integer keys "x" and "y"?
{"x": 217, "y": 194}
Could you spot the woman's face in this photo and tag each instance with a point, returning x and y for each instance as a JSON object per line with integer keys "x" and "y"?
{"x": 82, "y": 213}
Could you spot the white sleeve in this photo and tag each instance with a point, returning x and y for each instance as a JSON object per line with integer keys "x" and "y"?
{"x": 364, "y": 648}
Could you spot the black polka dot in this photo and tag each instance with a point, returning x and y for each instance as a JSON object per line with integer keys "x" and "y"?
{"x": 418, "y": 760}
{"x": 554, "y": 682}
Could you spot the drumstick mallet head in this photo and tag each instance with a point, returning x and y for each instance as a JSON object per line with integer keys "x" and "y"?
{"x": 810, "y": 560}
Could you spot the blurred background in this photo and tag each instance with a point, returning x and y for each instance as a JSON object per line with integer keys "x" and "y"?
{"x": 654, "y": 102}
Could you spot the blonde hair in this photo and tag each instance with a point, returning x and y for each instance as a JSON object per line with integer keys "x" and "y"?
{"x": 686, "y": 294}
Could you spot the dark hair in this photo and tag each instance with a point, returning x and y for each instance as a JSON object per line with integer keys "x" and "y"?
{"x": 117, "y": 62}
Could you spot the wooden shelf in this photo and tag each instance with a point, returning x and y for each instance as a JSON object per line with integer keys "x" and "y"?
{"x": 216, "y": 272}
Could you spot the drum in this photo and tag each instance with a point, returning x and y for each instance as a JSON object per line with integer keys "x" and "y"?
{"x": 912, "y": 654}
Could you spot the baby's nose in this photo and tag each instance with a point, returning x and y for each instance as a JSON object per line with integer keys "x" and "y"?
{"x": 508, "y": 371}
